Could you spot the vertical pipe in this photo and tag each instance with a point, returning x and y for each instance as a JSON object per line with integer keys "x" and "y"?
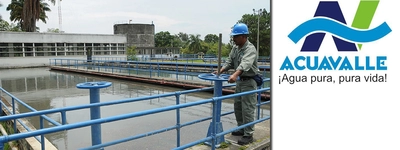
{"x": 218, "y": 84}
{"x": 258, "y": 35}
{"x": 216, "y": 125}
{"x": 94, "y": 89}
{"x": 219, "y": 53}
{"x": 95, "y": 114}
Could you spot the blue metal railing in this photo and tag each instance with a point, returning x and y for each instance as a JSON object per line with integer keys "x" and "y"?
{"x": 150, "y": 69}
{"x": 63, "y": 126}
{"x": 188, "y": 58}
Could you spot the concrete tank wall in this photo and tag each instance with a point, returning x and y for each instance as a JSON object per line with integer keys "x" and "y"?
{"x": 43, "y": 61}
{"x": 139, "y": 35}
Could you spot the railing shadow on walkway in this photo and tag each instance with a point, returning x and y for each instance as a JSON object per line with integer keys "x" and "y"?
{"x": 64, "y": 126}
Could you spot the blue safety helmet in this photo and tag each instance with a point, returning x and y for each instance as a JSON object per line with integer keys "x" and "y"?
{"x": 239, "y": 28}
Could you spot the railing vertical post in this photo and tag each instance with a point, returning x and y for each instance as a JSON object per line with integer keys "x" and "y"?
{"x": 137, "y": 67}
{"x": 129, "y": 68}
{"x": 185, "y": 71}
{"x": 42, "y": 141}
{"x": 63, "y": 117}
{"x": 15, "y": 120}
{"x": 1, "y": 100}
{"x": 94, "y": 89}
{"x": 1, "y": 144}
{"x": 120, "y": 66}
{"x": 1, "y": 106}
{"x": 177, "y": 71}
{"x": 259, "y": 102}
{"x": 178, "y": 121}
{"x": 97, "y": 65}
{"x": 158, "y": 70}
{"x": 150, "y": 68}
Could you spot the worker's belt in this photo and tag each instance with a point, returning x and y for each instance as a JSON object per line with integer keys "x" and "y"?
{"x": 245, "y": 78}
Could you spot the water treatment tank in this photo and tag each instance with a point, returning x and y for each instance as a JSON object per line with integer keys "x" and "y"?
{"x": 139, "y": 35}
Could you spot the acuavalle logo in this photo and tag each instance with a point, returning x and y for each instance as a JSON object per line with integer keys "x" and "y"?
{"x": 329, "y": 18}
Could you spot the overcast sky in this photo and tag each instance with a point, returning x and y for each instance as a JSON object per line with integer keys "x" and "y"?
{"x": 190, "y": 16}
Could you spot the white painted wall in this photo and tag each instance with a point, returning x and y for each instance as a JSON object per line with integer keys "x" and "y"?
{"x": 24, "y": 37}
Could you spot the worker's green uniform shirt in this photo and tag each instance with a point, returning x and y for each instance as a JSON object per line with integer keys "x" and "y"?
{"x": 244, "y": 59}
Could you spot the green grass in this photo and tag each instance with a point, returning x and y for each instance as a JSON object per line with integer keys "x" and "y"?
{"x": 9, "y": 131}
{"x": 242, "y": 147}
{"x": 224, "y": 145}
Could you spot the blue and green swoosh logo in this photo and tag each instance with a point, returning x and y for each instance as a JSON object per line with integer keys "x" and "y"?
{"x": 329, "y": 19}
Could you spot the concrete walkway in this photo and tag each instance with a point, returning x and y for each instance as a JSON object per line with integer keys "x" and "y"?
{"x": 262, "y": 136}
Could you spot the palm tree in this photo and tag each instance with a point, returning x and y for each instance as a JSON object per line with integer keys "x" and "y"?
{"x": 15, "y": 8}
{"x": 195, "y": 43}
{"x": 28, "y": 12}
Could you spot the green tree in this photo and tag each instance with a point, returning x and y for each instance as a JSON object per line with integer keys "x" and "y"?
{"x": 131, "y": 53}
{"x": 211, "y": 38}
{"x": 15, "y": 8}
{"x": 182, "y": 40}
{"x": 163, "y": 39}
{"x": 213, "y": 49}
{"x": 28, "y": 12}
{"x": 265, "y": 30}
{"x": 184, "y": 37}
{"x": 176, "y": 41}
{"x": 5, "y": 26}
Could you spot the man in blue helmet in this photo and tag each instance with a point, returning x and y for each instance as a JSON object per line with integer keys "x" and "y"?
{"x": 243, "y": 58}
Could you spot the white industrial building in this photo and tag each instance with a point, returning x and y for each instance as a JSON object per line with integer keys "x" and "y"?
{"x": 22, "y": 49}
{"x": 23, "y": 44}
